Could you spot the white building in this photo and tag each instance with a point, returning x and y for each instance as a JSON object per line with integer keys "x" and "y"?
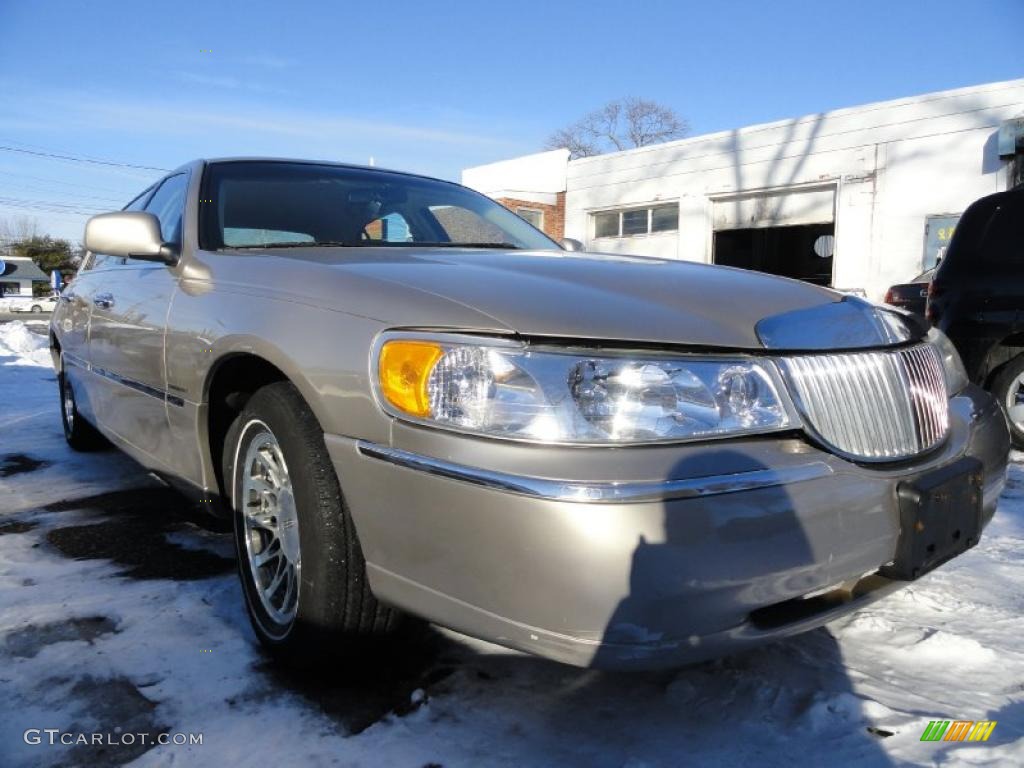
{"x": 857, "y": 198}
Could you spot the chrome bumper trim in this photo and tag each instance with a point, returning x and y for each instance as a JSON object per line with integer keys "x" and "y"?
{"x": 599, "y": 493}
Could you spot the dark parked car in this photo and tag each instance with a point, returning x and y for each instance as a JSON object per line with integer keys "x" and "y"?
{"x": 912, "y": 296}
{"x": 977, "y": 299}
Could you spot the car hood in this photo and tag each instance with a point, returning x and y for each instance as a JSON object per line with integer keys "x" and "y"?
{"x": 612, "y": 298}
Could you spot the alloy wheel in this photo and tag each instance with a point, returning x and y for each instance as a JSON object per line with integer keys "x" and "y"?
{"x": 1015, "y": 402}
{"x": 67, "y": 398}
{"x": 271, "y": 532}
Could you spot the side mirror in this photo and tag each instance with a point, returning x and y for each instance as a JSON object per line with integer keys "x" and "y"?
{"x": 571, "y": 244}
{"x": 131, "y": 234}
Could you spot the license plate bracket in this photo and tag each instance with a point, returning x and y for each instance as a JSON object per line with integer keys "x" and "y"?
{"x": 940, "y": 518}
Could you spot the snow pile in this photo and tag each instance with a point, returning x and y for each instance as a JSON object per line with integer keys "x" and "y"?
{"x": 24, "y": 346}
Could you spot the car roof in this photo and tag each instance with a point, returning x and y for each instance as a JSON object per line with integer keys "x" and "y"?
{"x": 307, "y": 161}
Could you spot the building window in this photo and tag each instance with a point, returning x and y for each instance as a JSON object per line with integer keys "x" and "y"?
{"x": 606, "y": 225}
{"x": 532, "y": 215}
{"x": 665, "y": 218}
{"x": 637, "y": 221}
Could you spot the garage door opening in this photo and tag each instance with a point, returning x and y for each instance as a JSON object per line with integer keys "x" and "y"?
{"x": 802, "y": 252}
{"x": 788, "y": 232}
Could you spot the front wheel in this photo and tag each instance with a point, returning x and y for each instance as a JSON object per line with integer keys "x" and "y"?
{"x": 299, "y": 560}
{"x": 1008, "y": 388}
{"x": 36, "y": 309}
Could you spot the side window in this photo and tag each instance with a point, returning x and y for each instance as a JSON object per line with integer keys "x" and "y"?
{"x": 139, "y": 203}
{"x": 168, "y": 205}
{"x": 95, "y": 260}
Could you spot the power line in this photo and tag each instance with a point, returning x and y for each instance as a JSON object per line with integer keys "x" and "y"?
{"x": 46, "y": 205}
{"x": 76, "y": 196}
{"x": 73, "y": 158}
{"x": 55, "y": 150}
{"x": 56, "y": 203}
{"x": 65, "y": 183}
{"x": 25, "y": 241}
{"x": 51, "y": 214}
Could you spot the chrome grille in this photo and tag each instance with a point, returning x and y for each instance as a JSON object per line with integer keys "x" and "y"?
{"x": 876, "y": 406}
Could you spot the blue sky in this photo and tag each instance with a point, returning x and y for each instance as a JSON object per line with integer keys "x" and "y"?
{"x": 435, "y": 86}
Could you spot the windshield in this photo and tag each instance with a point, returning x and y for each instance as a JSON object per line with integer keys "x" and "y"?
{"x": 284, "y": 204}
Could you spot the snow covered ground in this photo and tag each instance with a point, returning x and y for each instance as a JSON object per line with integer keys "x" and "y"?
{"x": 118, "y": 611}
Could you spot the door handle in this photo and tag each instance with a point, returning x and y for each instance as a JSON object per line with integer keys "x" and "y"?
{"x": 103, "y": 300}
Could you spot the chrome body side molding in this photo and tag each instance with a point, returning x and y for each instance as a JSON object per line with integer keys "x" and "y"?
{"x": 599, "y": 493}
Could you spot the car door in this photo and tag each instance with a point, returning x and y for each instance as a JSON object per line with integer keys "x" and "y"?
{"x": 71, "y": 324}
{"x": 126, "y": 342}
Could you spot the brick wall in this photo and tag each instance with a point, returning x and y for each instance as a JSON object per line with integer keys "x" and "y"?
{"x": 554, "y": 215}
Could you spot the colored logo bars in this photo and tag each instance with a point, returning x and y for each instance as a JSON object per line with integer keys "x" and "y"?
{"x": 958, "y": 730}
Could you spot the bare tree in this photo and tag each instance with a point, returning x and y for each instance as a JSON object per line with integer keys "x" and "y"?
{"x": 620, "y": 124}
{"x": 572, "y": 138}
{"x": 18, "y": 228}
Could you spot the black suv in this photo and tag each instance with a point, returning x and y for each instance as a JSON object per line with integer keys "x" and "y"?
{"x": 977, "y": 299}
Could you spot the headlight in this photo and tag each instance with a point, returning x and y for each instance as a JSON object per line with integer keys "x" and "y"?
{"x": 952, "y": 365}
{"x": 504, "y": 389}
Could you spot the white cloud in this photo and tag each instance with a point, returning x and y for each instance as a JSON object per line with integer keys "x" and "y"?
{"x": 268, "y": 61}
{"x": 200, "y": 79}
{"x": 185, "y": 119}
{"x": 223, "y": 81}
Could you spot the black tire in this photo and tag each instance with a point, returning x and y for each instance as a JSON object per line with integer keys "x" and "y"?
{"x": 1000, "y": 388}
{"x": 335, "y": 612}
{"x": 80, "y": 434}
{"x": 36, "y": 309}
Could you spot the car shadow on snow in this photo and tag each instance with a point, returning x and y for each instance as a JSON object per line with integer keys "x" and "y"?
{"x": 770, "y": 698}
{"x": 707, "y": 564}
{"x": 375, "y": 681}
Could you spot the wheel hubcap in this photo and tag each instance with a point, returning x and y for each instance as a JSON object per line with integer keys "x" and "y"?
{"x": 1015, "y": 402}
{"x": 271, "y": 528}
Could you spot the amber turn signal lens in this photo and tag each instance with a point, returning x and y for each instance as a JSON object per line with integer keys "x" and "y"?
{"x": 404, "y": 369}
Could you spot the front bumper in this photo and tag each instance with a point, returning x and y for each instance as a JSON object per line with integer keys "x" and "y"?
{"x": 636, "y": 557}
